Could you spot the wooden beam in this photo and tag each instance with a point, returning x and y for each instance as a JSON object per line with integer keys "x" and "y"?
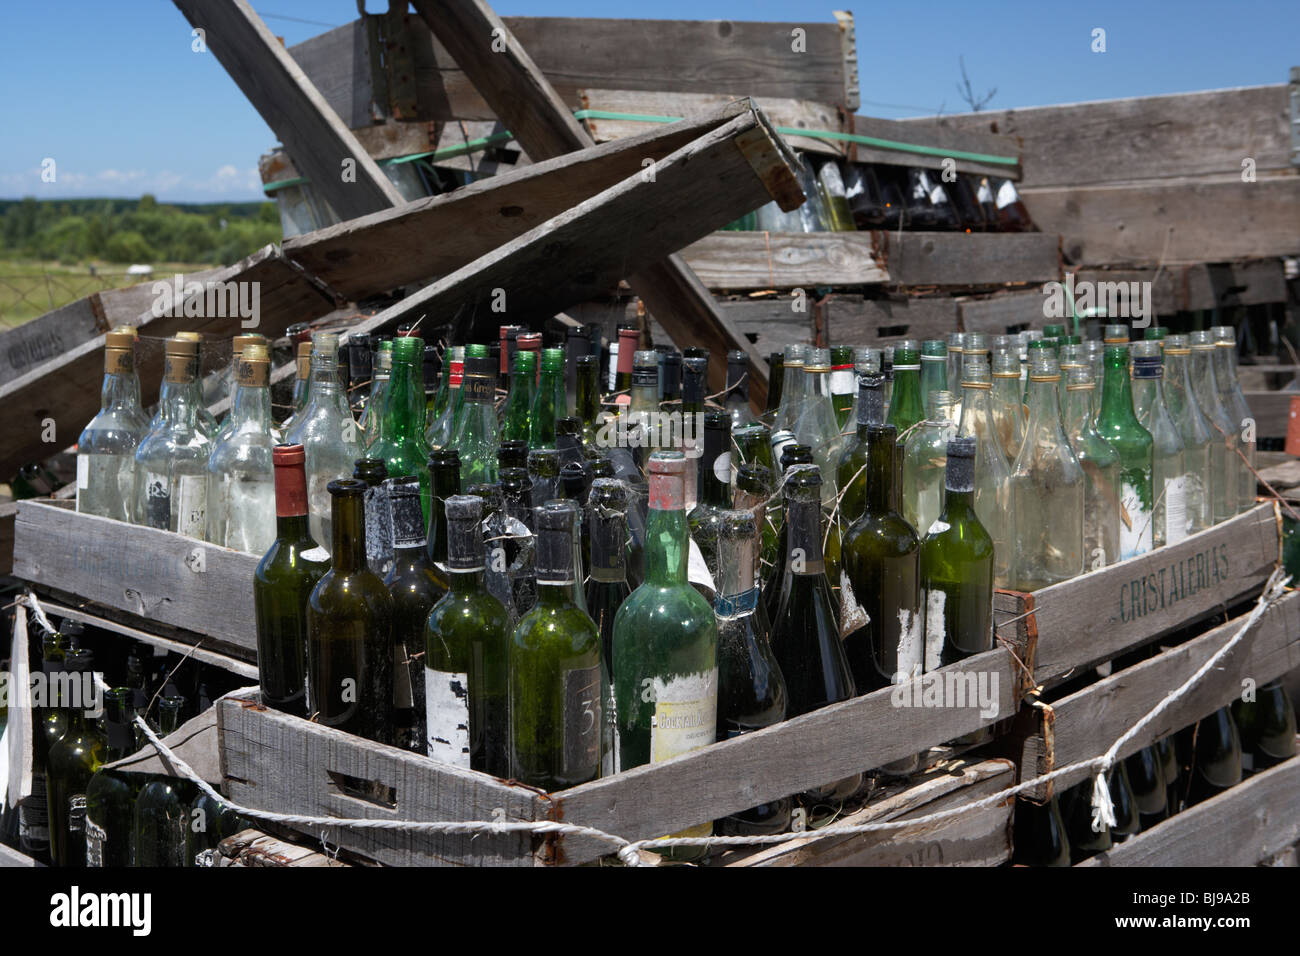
{"x": 1272, "y": 411}
{"x": 877, "y": 322}
{"x": 320, "y": 143}
{"x": 779, "y": 260}
{"x": 949, "y": 141}
{"x": 979, "y": 258}
{"x": 771, "y": 324}
{"x": 995, "y": 314}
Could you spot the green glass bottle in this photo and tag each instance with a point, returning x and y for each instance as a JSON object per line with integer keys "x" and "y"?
{"x": 1234, "y": 402}
{"x": 694, "y": 388}
{"x": 557, "y": 679}
{"x": 433, "y": 379}
{"x": 110, "y": 795}
{"x": 379, "y": 514}
{"x": 72, "y": 761}
{"x": 1119, "y": 425}
{"x": 1225, "y": 463}
{"x": 715, "y": 491}
{"x": 474, "y": 350}
{"x": 439, "y": 432}
{"x": 1122, "y": 798}
{"x": 349, "y": 630}
{"x": 1267, "y": 726}
{"x": 751, "y": 690}
{"x": 851, "y": 474}
{"x": 842, "y": 384}
{"x": 514, "y": 417}
{"x": 957, "y": 573}
{"x": 1039, "y": 835}
{"x": 476, "y": 434}
{"x": 1169, "y": 766}
{"x": 1216, "y": 764}
{"x": 1146, "y": 776}
{"x": 162, "y": 814}
{"x": 607, "y": 584}
{"x": 466, "y": 641}
{"x": 665, "y": 642}
{"x": 444, "y": 471}
{"x": 1168, "y": 465}
{"x": 587, "y": 398}
{"x": 906, "y": 406}
{"x": 546, "y": 406}
{"x": 1100, "y": 464}
{"x": 416, "y": 586}
{"x": 1193, "y": 429}
{"x": 775, "y": 382}
{"x": 791, "y": 455}
{"x": 934, "y": 368}
{"x": 282, "y": 583}
{"x": 401, "y": 443}
{"x": 49, "y": 722}
{"x": 1076, "y": 811}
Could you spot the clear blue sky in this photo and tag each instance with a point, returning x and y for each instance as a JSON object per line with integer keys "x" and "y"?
{"x": 112, "y": 92}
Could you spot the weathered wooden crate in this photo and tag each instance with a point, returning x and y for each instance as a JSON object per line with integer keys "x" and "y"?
{"x": 1099, "y": 615}
{"x": 280, "y": 763}
{"x": 1249, "y": 824}
{"x": 1085, "y": 724}
{"x": 156, "y": 577}
{"x": 253, "y": 848}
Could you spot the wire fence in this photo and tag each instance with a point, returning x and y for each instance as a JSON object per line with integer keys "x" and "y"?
{"x": 34, "y": 291}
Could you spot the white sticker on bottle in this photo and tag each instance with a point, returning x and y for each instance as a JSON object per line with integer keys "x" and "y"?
{"x": 83, "y": 472}
{"x": 1135, "y": 534}
{"x": 446, "y": 709}
{"x": 613, "y": 365}
{"x": 852, "y": 616}
{"x": 697, "y": 571}
{"x": 1175, "y": 509}
{"x": 935, "y": 601}
{"x": 938, "y": 527}
{"x": 842, "y": 381}
{"x": 1006, "y": 194}
{"x": 911, "y": 648}
{"x": 722, "y": 468}
{"x": 316, "y": 554}
{"x": 686, "y": 715}
{"x": 191, "y": 505}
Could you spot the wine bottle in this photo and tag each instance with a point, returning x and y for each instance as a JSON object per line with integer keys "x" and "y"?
{"x": 792, "y": 389}
{"x": 1039, "y": 835}
{"x": 379, "y": 517}
{"x": 466, "y": 643}
{"x": 791, "y": 455}
{"x": 107, "y": 446}
{"x": 547, "y": 404}
{"x": 110, "y": 794}
{"x": 229, "y": 377}
{"x": 906, "y": 407}
{"x": 1225, "y": 464}
{"x": 994, "y": 494}
{"x": 401, "y": 442}
{"x": 1267, "y": 726}
{"x": 715, "y": 498}
{"x": 496, "y": 531}
{"x": 161, "y": 817}
{"x": 577, "y": 344}
{"x": 1124, "y": 802}
{"x": 544, "y": 471}
{"x": 1100, "y": 464}
{"x": 1193, "y": 429}
{"x": 1119, "y": 425}
{"x": 737, "y": 400}
{"x": 557, "y": 680}
{"x": 816, "y": 425}
{"x": 754, "y": 486}
{"x": 516, "y": 495}
{"x": 1147, "y": 778}
{"x": 1169, "y": 467}
{"x": 851, "y": 474}
{"x": 1216, "y": 764}
{"x": 587, "y": 399}
{"x": 1170, "y": 766}
{"x": 370, "y": 424}
{"x": 628, "y": 342}
{"x": 642, "y": 411}
{"x": 775, "y": 383}
{"x": 1076, "y": 810}
{"x": 751, "y": 691}
{"x": 665, "y": 642}
{"x": 957, "y": 573}
{"x": 694, "y": 376}
{"x": 240, "y": 475}
{"x": 1234, "y": 402}
{"x": 923, "y": 461}
{"x": 515, "y": 416}
{"x": 349, "y": 630}
{"x": 431, "y": 376}
{"x": 670, "y": 378}
{"x": 934, "y": 369}
{"x": 72, "y": 761}
{"x": 439, "y": 433}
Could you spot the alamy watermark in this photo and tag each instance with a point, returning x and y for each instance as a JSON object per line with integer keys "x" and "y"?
{"x": 1121, "y": 300}
{"x": 211, "y": 299}
{"x": 666, "y": 430}
{"x": 64, "y": 689}
{"x": 945, "y": 688}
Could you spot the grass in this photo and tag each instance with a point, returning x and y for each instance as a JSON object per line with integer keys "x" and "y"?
{"x": 31, "y": 288}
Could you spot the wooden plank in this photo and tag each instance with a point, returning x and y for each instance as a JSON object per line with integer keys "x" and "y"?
{"x": 253, "y": 848}
{"x": 1000, "y": 312}
{"x": 760, "y": 260}
{"x": 337, "y": 63}
{"x": 770, "y": 323}
{"x": 1272, "y": 411}
{"x": 321, "y": 144}
{"x": 876, "y": 322}
{"x": 1208, "y": 286}
{"x": 283, "y": 764}
{"x": 284, "y": 295}
{"x": 957, "y": 258}
{"x": 827, "y": 744}
{"x": 942, "y": 137}
{"x": 155, "y": 575}
{"x": 1101, "y": 614}
{"x": 1140, "y": 139}
{"x": 1243, "y": 826}
{"x": 16, "y": 858}
{"x": 1181, "y": 223}
{"x": 8, "y": 512}
{"x": 436, "y": 236}
{"x": 1086, "y": 724}
{"x": 980, "y": 838}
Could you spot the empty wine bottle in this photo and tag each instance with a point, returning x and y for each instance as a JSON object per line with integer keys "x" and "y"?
{"x": 1124, "y": 802}
{"x": 923, "y": 461}
{"x": 72, "y": 761}
{"x": 715, "y": 497}
{"x": 995, "y": 500}
{"x": 107, "y": 445}
{"x": 851, "y": 475}
{"x": 906, "y": 406}
{"x": 1119, "y": 425}
{"x": 587, "y": 399}
{"x": 737, "y": 399}
{"x": 349, "y": 630}
{"x": 1169, "y": 468}
{"x": 514, "y": 418}
{"x": 547, "y": 404}
{"x": 607, "y": 584}
{"x": 1216, "y": 763}
{"x": 1100, "y": 464}
{"x": 544, "y": 470}
{"x": 240, "y": 476}
{"x": 1267, "y": 726}
{"x": 161, "y": 816}
{"x": 815, "y": 426}
{"x": 476, "y": 436}
{"x": 401, "y": 443}
{"x": 1077, "y": 813}
{"x": 1194, "y": 430}
{"x": 1234, "y": 402}
{"x": 110, "y": 794}
{"x": 754, "y": 486}
{"x": 1147, "y": 777}
{"x": 379, "y": 517}
{"x": 1225, "y": 464}
{"x": 1039, "y": 835}
{"x": 775, "y": 383}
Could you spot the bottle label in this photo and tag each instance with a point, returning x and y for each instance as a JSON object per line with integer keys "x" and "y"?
{"x": 95, "y": 839}
{"x": 1006, "y": 194}
{"x": 316, "y": 554}
{"x": 935, "y": 601}
{"x": 852, "y": 616}
{"x": 191, "y": 506}
{"x": 118, "y": 362}
{"x": 697, "y": 569}
{"x": 480, "y": 388}
{"x": 1135, "y": 533}
{"x": 157, "y": 501}
{"x": 457, "y": 373}
{"x": 685, "y": 719}
{"x": 911, "y": 646}
{"x": 842, "y": 380}
{"x": 77, "y": 813}
{"x": 582, "y": 720}
{"x": 446, "y": 707}
{"x": 613, "y": 366}
{"x": 83, "y": 472}
{"x": 1175, "y": 509}
{"x": 722, "y": 468}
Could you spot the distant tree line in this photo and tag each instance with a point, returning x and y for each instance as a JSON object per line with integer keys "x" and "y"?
{"x": 135, "y": 230}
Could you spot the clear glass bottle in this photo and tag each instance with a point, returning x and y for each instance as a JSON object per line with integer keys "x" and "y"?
{"x": 301, "y": 384}
{"x": 371, "y": 422}
{"x": 1194, "y": 430}
{"x": 171, "y": 463}
{"x": 924, "y": 461}
{"x": 792, "y": 389}
{"x": 1169, "y": 467}
{"x": 1234, "y": 401}
{"x": 995, "y": 497}
{"x": 439, "y": 432}
{"x": 816, "y": 426}
{"x": 956, "y": 344}
{"x": 241, "y": 474}
{"x": 1118, "y": 424}
{"x": 107, "y": 446}
{"x": 1008, "y": 403}
{"x": 1100, "y": 464}
{"x": 1225, "y": 463}
{"x": 476, "y": 439}
{"x": 737, "y": 400}
{"x": 230, "y": 377}
{"x": 715, "y": 493}
{"x": 851, "y": 474}
{"x": 327, "y": 433}
{"x": 1048, "y": 486}
{"x": 207, "y": 421}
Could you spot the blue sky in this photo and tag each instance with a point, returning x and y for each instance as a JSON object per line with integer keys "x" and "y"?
{"x": 112, "y": 92}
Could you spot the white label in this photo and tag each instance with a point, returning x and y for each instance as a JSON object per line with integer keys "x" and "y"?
{"x": 83, "y": 472}
{"x": 1135, "y": 534}
{"x": 316, "y": 554}
{"x": 910, "y": 646}
{"x": 95, "y": 837}
{"x": 1175, "y": 509}
{"x": 1006, "y": 194}
{"x": 938, "y": 527}
{"x": 686, "y": 715}
{"x": 852, "y": 616}
{"x": 722, "y": 468}
{"x": 842, "y": 381}
{"x": 446, "y": 709}
{"x": 613, "y": 364}
{"x": 934, "y": 632}
{"x": 191, "y": 505}
{"x": 697, "y": 572}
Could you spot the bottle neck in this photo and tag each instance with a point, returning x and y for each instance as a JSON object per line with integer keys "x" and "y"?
{"x": 118, "y": 392}
{"x": 399, "y": 409}
{"x": 588, "y": 396}
{"x": 349, "y": 552}
{"x": 608, "y": 552}
{"x": 1077, "y": 414}
{"x": 445, "y": 480}
{"x": 252, "y": 407}
{"x": 804, "y": 537}
{"x": 291, "y": 522}
{"x": 737, "y": 586}
{"x": 326, "y": 393}
{"x": 667, "y": 536}
{"x": 410, "y": 537}
{"x": 1225, "y": 367}
{"x": 905, "y": 407}
{"x": 880, "y": 469}
{"x": 1044, "y": 406}
{"x": 1117, "y": 390}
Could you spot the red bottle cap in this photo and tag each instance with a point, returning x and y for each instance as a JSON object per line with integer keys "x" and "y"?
{"x": 290, "y": 481}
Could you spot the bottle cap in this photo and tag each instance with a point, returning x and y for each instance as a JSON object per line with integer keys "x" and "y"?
{"x": 288, "y": 455}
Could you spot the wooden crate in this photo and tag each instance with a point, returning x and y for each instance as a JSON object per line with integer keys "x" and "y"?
{"x": 1099, "y": 615}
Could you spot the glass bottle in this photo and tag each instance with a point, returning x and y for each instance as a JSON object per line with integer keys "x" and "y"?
{"x": 230, "y": 376}
{"x": 831, "y": 187}
{"x": 171, "y": 461}
{"x": 282, "y": 583}
{"x": 1216, "y": 764}
{"x": 715, "y": 498}
{"x": 1234, "y": 401}
{"x": 851, "y": 474}
{"x": 514, "y": 417}
{"x": 694, "y": 374}
{"x": 751, "y": 691}
{"x": 792, "y": 389}
{"x": 665, "y": 642}
{"x": 161, "y": 817}
{"x": 107, "y": 446}
{"x": 737, "y": 400}
{"x": 439, "y": 433}
{"x": 1048, "y": 486}
{"x": 349, "y": 630}
{"x": 467, "y": 645}
{"x": 1007, "y": 404}
{"x": 816, "y": 425}
{"x": 71, "y": 762}
{"x": 629, "y": 340}
{"x": 842, "y": 384}
{"x": 906, "y": 406}
{"x": 956, "y": 344}
{"x": 1039, "y": 835}
{"x": 547, "y": 406}
{"x": 379, "y": 517}
{"x": 587, "y": 397}
{"x": 1267, "y": 727}
{"x": 1225, "y": 464}
{"x": 1100, "y": 464}
{"x": 934, "y": 369}
{"x": 516, "y": 495}
{"x": 995, "y": 498}
{"x": 1076, "y": 810}
{"x": 1147, "y": 778}
{"x": 1119, "y": 425}
{"x": 241, "y": 477}
{"x": 956, "y": 564}
{"x": 207, "y": 422}
{"x": 1193, "y": 429}
{"x": 607, "y": 584}
{"x": 431, "y": 376}
{"x": 775, "y": 380}
{"x": 401, "y": 443}
{"x": 110, "y": 795}
{"x": 371, "y": 422}
{"x": 301, "y": 384}
{"x": 923, "y": 461}
{"x": 557, "y": 680}
{"x": 544, "y": 471}
{"x": 754, "y": 487}
{"x": 1169, "y": 468}
{"x": 472, "y": 351}
{"x": 476, "y": 439}
{"x": 327, "y": 434}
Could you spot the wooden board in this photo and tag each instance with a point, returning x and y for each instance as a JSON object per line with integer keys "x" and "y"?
{"x": 276, "y": 762}
{"x": 155, "y": 575}
{"x": 8, "y": 512}
{"x": 253, "y": 848}
{"x": 66, "y": 389}
{"x": 980, "y": 838}
{"x": 1272, "y": 411}
{"x": 958, "y": 259}
{"x": 854, "y": 320}
{"x": 947, "y": 139}
{"x": 1243, "y": 826}
{"x": 1086, "y": 724}
{"x": 1099, "y": 615}
{"x": 997, "y": 313}
{"x": 9, "y": 857}
{"x": 770, "y": 323}
{"x": 760, "y": 260}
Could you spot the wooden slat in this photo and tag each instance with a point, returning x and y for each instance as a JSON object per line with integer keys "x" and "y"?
{"x": 816, "y": 748}
{"x": 66, "y": 389}
{"x": 1272, "y": 411}
{"x": 876, "y": 322}
{"x": 253, "y": 848}
{"x": 1243, "y": 826}
{"x": 1096, "y": 616}
{"x": 283, "y": 764}
{"x": 8, "y": 512}
{"x": 152, "y": 574}
{"x": 310, "y": 129}
{"x": 1086, "y": 724}
{"x": 771, "y": 322}
{"x": 759, "y": 260}
{"x": 1210, "y": 221}
{"x": 9, "y": 857}
{"x": 979, "y": 838}
{"x": 1144, "y": 138}
{"x": 995, "y": 314}
{"x": 956, "y": 258}
{"x": 941, "y": 137}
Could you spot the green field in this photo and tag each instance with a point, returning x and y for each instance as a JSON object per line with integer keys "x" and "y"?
{"x": 29, "y": 289}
